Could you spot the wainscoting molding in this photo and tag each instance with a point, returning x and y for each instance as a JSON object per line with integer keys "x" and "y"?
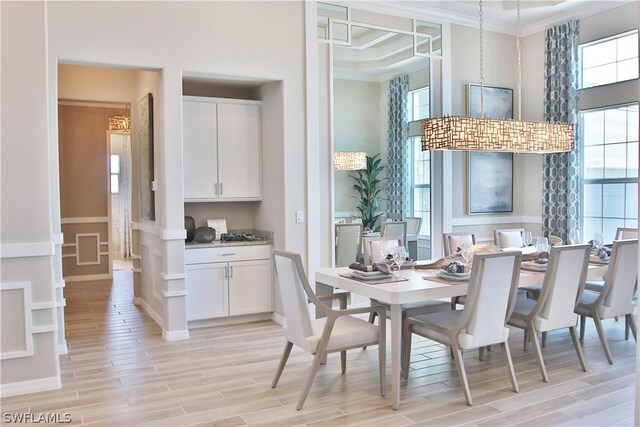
{"x": 27, "y": 329}
{"x": 26, "y": 250}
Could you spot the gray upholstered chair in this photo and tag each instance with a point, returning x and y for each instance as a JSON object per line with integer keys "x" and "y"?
{"x": 623, "y": 233}
{"x": 395, "y": 229}
{"x": 451, "y": 241}
{"x": 338, "y": 331}
{"x": 554, "y": 308}
{"x": 490, "y": 299}
{"x": 508, "y": 237}
{"x": 348, "y": 243}
{"x": 615, "y": 298}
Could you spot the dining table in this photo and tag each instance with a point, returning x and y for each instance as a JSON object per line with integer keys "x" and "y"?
{"x": 411, "y": 286}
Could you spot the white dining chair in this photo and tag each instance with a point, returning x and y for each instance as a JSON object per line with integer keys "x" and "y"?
{"x": 338, "y": 331}
{"x": 394, "y": 229}
{"x": 615, "y": 298}
{"x": 555, "y": 305}
{"x": 377, "y": 248}
{"x": 624, "y": 233}
{"x": 450, "y": 245}
{"x": 508, "y": 237}
{"x": 451, "y": 241}
{"x": 490, "y": 299}
{"x": 348, "y": 243}
{"x": 413, "y": 224}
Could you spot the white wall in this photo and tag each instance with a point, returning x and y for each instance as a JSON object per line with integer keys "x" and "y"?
{"x": 357, "y": 127}
{"x": 29, "y": 342}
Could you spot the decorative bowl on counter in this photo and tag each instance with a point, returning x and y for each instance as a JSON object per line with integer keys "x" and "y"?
{"x": 205, "y": 235}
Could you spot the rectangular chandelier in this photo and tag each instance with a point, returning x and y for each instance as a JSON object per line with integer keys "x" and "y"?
{"x": 349, "y": 160}
{"x": 120, "y": 124}
{"x": 480, "y": 134}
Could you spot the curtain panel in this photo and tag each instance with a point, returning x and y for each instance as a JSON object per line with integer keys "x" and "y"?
{"x": 398, "y": 168}
{"x": 561, "y": 210}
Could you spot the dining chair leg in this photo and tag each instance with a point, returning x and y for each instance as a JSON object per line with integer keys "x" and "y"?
{"x": 626, "y": 328}
{"x": 406, "y": 349}
{"x": 603, "y": 339}
{"x": 382, "y": 355}
{"x": 582, "y": 325}
{"x": 632, "y": 326}
{"x": 544, "y": 339}
{"x": 576, "y": 344}
{"x": 538, "y": 352}
{"x": 315, "y": 367}
{"x": 526, "y": 339}
{"x": 481, "y": 354}
{"x": 372, "y": 317}
{"x": 283, "y": 361}
{"x": 512, "y": 371}
{"x": 457, "y": 357}
{"x": 343, "y": 361}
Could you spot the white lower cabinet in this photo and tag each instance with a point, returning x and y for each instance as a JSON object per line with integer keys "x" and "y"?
{"x": 228, "y": 281}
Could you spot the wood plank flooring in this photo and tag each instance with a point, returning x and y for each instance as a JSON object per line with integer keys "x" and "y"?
{"x": 119, "y": 372}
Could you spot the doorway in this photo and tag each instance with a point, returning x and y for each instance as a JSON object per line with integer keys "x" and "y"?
{"x": 121, "y": 238}
{"x": 86, "y": 176}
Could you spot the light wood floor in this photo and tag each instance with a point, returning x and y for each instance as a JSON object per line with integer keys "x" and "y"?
{"x": 120, "y": 372}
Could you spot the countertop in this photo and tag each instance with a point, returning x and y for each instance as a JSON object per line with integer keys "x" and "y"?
{"x": 219, "y": 244}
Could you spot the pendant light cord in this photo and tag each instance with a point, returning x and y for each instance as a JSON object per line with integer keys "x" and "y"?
{"x": 519, "y": 46}
{"x": 481, "y": 65}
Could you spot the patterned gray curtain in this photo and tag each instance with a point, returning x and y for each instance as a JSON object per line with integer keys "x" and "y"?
{"x": 561, "y": 171}
{"x": 398, "y": 151}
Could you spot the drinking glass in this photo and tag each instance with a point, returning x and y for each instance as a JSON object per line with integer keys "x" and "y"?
{"x": 574, "y": 236}
{"x": 400, "y": 255}
{"x": 466, "y": 248}
{"x": 527, "y": 238}
{"x": 598, "y": 240}
{"x": 542, "y": 245}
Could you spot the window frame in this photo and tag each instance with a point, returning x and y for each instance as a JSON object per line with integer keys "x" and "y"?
{"x": 616, "y": 62}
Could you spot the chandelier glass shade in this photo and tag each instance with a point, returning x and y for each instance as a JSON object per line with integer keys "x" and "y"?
{"x": 349, "y": 160}
{"x": 121, "y": 124}
{"x": 481, "y": 134}
{"x": 484, "y": 134}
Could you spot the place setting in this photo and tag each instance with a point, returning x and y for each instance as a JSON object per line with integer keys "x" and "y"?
{"x": 600, "y": 253}
{"x": 456, "y": 271}
{"x": 386, "y": 270}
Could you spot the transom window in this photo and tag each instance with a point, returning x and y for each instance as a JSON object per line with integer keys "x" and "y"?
{"x": 610, "y": 169}
{"x": 610, "y": 60}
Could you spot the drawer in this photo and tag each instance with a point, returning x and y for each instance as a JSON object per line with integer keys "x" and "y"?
{"x": 226, "y": 254}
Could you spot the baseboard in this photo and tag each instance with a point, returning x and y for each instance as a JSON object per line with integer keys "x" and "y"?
{"x": 137, "y": 301}
{"x": 63, "y": 349}
{"x": 232, "y": 320}
{"x": 175, "y": 335}
{"x": 31, "y": 386}
{"x": 151, "y": 312}
{"x": 88, "y": 278}
{"x": 279, "y": 319}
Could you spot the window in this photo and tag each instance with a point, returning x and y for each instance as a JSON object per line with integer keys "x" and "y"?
{"x": 609, "y": 169}
{"x": 114, "y": 169}
{"x": 421, "y": 184}
{"x": 419, "y": 104}
{"x": 610, "y": 60}
{"x": 419, "y": 108}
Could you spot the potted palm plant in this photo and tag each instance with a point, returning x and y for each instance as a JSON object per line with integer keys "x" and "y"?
{"x": 367, "y": 184}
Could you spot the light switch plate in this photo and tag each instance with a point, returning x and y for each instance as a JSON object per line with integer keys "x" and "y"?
{"x": 299, "y": 217}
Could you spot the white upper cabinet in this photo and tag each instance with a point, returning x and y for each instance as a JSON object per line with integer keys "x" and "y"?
{"x": 222, "y": 149}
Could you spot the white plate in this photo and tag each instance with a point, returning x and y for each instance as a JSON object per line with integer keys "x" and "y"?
{"x": 454, "y": 277}
{"x": 534, "y": 266}
{"x": 372, "y": 275}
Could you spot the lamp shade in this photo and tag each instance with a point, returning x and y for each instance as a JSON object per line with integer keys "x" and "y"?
{"x": 480, "y": 134}
{"x": 349, "y": 160}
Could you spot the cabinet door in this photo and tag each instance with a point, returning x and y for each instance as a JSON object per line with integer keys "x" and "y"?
{"x": 207, "y": 291}
{"x": 250, "y": 287}
{"x": 239, "y": 147}
{"x": 200, "y": 150}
